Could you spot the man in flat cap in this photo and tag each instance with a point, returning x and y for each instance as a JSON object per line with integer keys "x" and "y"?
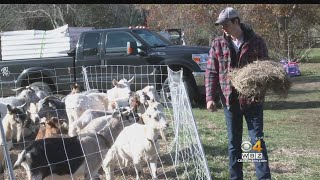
{"x": 238, "y": 46}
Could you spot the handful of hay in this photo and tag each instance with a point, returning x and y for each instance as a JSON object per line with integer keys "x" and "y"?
{"x": 255, "y": 79}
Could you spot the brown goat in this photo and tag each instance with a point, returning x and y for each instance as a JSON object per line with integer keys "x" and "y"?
{"x": 52, "y": 128}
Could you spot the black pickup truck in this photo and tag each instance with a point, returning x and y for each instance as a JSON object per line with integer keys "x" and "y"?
{"x": 116, "y": 47}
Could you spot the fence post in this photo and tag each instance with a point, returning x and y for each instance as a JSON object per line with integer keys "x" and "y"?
{"x": 6, "y": 152}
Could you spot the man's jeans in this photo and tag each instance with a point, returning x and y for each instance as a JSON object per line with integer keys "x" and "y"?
{"x": 234, "y": 119}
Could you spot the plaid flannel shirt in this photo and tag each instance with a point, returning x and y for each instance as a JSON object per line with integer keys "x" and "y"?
{"x": 222, "y": 58}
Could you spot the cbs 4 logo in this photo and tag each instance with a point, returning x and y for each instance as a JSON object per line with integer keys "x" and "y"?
{"x": 246, "y": 146}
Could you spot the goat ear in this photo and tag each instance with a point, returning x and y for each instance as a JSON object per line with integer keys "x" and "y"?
{"x": 131, "y": 80}
{"x": 114, "y": 82}
{"x": 10, "y": 109}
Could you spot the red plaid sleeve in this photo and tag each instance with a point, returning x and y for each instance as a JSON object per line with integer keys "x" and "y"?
{"x": 211, "y": 75}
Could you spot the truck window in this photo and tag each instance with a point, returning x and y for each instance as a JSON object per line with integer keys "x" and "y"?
{"x": 117, "y": 41}
{"x": 91, "y": 44}
{"x": 152, "y": 38}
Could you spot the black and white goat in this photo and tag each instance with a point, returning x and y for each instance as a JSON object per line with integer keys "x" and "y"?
{"x": 16, "y": 118}
{"x": 25, "y": 97}
{"x": 52, "y": 106}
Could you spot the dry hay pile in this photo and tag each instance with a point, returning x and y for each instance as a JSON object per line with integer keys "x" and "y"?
{"x": 255, "y": 79}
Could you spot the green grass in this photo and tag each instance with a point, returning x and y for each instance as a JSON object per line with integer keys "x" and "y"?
{"x": 309, "y": 69}
{"x": 291, "y": 128}
{"x": 312, "y": 56}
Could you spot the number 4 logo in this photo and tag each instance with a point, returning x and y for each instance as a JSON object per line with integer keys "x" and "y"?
{"x": 257, "y": 146}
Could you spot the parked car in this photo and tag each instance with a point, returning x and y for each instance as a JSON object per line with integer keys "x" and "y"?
{"x": 291, "y": 67}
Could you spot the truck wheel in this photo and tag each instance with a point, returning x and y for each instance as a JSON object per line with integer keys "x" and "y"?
{"x": 191, "y": 88}
{"x": 188, "y": 83}
{"x": 42, "y": 85}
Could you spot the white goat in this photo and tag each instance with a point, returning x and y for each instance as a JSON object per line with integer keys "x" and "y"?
{"x": 151, "y": 93}
{"x": 39, "y": 92}
{"x": 118, "y": 96}
{"x": 77, "y": 103}
{"x": 27, "y": 95}
{"x": 95, "y": 125}
{"x": 135, "y": 142}
{"x": 141, "y": 99}
{"x": 87, "y": 116}
{"x": 33, "y": 107}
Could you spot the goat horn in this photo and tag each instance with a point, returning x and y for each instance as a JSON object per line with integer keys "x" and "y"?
{"x": 114, "y": 82}
{"x": 20, "y": 88}
{"x": 131, "y": 80}
{"x": 47, "y": 98}
{"x": 23, "y": 106}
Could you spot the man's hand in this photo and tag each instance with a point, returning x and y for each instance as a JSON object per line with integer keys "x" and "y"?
{"x": 211, "y": 106}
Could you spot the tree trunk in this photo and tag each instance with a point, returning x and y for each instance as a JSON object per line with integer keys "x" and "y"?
{"x": 282, "y": 24}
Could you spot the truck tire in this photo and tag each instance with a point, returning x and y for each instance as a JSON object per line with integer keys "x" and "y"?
{"x": 190, "y": 87}
{"x": 42, "y": 85}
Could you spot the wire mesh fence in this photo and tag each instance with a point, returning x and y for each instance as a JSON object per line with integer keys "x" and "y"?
{"x": 178, "y": 156}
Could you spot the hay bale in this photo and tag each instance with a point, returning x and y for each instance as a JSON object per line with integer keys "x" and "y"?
{"x": 255, "y": 79}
